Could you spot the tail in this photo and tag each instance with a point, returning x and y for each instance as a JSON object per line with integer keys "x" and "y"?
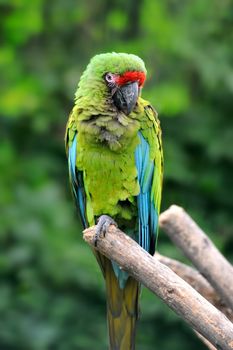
{"x": 122, "y": 310}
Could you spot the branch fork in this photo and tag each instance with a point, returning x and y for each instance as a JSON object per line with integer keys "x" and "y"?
{"x": 180, "y": 296}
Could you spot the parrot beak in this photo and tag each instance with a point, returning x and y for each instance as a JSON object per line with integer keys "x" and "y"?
{"x": 125, "y": 97}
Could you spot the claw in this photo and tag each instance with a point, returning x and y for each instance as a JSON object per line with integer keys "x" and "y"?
{"x": 102, "y": 226}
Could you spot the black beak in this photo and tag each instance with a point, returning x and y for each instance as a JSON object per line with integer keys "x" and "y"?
{"x": 125, "y": 97}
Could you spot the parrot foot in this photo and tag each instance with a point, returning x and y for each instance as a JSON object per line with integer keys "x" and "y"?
{"x": 102, "y": 226}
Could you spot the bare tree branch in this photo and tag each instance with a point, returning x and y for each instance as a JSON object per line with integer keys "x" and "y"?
{"x": 194, "y": 243}
{"x": 175, "y": 292}
{"x": 197, "y": 281}
{"x": 205, "y": 341}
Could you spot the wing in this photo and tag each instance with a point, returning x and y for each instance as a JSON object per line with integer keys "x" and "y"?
{"x": 77, "y": 182}
{"x": 149, "y": 163}
{"x": 75, "y": 176}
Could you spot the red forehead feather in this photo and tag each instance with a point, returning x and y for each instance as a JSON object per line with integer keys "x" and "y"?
{"x": 131, "y": 76}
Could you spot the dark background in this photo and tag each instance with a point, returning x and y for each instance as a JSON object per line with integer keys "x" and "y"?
{"x": 51, "y": 291}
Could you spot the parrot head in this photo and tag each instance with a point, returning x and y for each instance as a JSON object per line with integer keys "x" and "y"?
{"x": 119, "y": 76}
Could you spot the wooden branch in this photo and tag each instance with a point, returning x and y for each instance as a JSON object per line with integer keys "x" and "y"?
{"x": 195, "y": 244}
{"x": 205, "y": 341}
{"x": 175, "y": 292}
{"x": 197, "y": 281}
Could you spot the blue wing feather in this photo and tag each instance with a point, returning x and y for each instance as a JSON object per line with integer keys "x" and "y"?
{"x": 76, "y": 180}
{"x": 148, "y": 215}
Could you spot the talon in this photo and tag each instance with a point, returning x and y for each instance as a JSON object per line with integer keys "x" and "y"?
{"x": 102, "y": 226}
{"x": 95, "y": 239}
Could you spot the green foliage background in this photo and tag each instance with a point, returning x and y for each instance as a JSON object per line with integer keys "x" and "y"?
{"x": 51, "y": 291}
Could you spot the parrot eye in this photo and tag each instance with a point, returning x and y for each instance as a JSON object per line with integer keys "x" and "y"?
{"x": 109, "y": 77}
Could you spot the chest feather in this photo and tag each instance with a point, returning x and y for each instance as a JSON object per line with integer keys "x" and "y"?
{"x": 110, "y": 178}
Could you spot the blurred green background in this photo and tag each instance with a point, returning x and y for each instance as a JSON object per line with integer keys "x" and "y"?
{"x": 51, "y": 291}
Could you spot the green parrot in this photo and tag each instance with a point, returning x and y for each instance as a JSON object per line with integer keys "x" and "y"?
{"x": 115, "y": 162}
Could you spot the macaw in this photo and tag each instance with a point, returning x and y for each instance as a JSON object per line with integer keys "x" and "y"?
{"x": 115, "y": 162}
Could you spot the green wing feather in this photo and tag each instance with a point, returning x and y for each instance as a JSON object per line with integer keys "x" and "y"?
{"x": 151, "y": 135}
